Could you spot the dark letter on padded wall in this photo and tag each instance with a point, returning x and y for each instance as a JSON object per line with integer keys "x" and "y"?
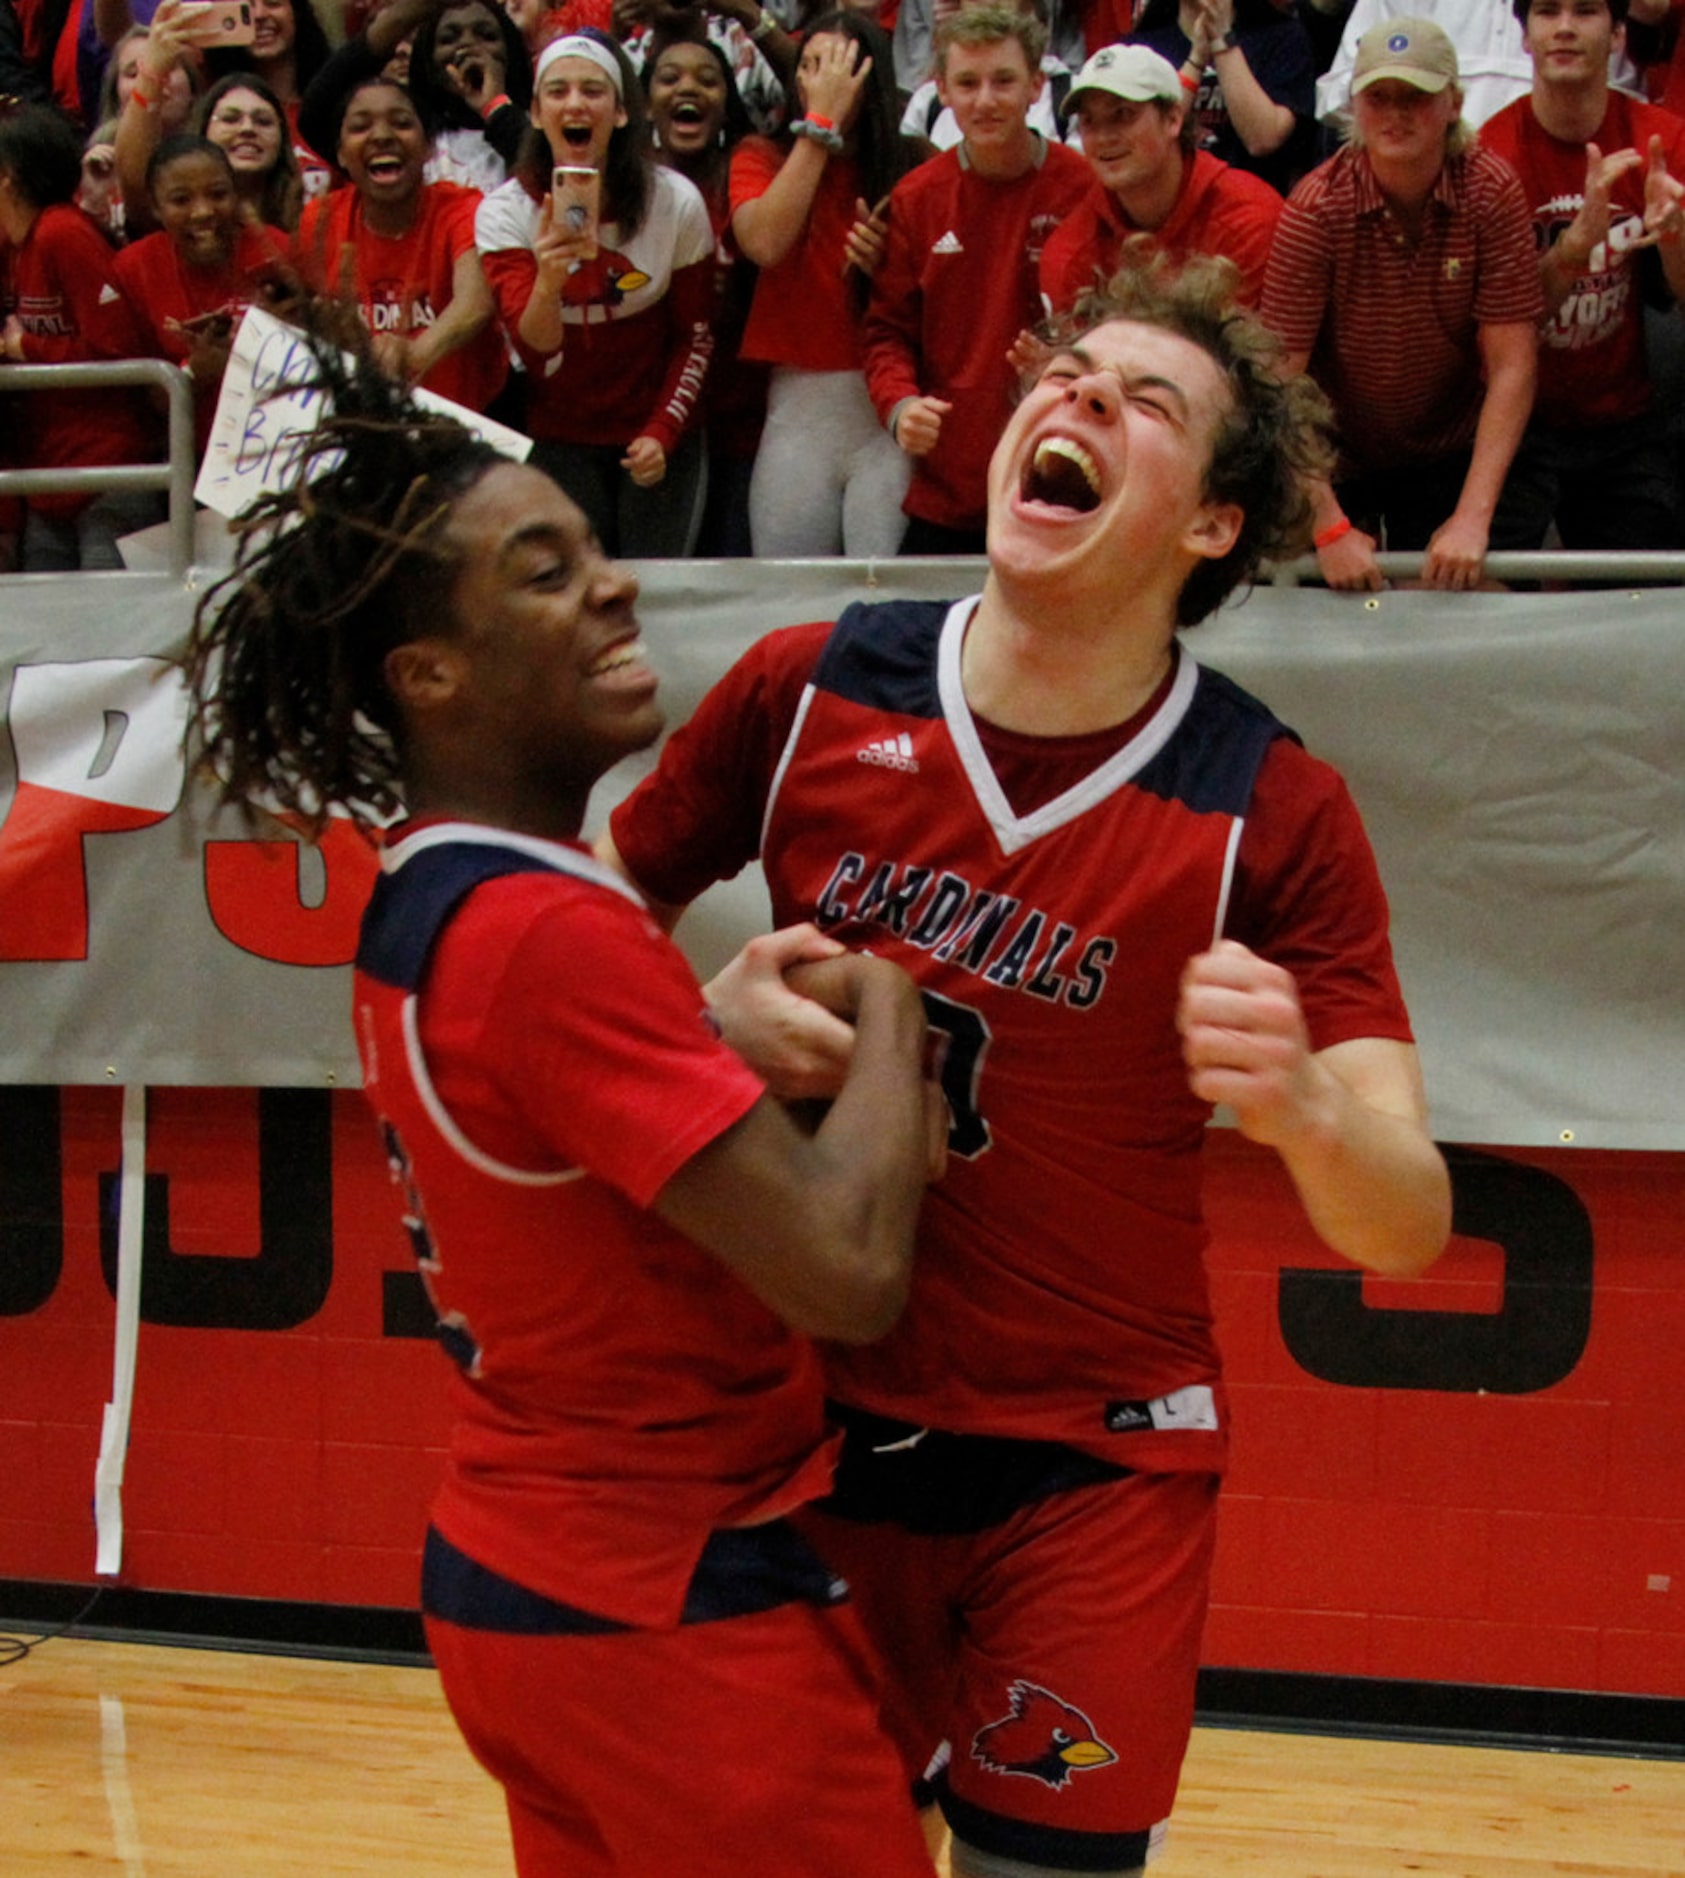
{"x": 288, "y": 1281}
{"x": 1533, "y": 1340}
{"x": 31, "y": 1199}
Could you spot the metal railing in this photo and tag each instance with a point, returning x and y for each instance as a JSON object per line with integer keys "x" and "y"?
{"x": 175, "y": 475}
{"x": 1558, "y": 566}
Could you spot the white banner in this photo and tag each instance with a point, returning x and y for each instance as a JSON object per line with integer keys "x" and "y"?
{"x": 1519, "y": 761}
{"x": 269, "y": 405}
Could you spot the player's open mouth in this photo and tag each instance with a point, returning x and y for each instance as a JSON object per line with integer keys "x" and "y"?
{"x": 577, "y": 136}
{"x": 1063, "y": 475}
{"x": 687, "y": 113}
{"x": 385, "y": 169}
{"x": 628, "y": 653}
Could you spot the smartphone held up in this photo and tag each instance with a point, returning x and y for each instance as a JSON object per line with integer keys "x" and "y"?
{"x": 575, "y": 199}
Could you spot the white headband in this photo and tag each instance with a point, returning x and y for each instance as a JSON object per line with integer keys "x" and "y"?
{"x": 579, "y": 46}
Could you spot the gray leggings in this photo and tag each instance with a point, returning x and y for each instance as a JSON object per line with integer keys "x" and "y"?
{"x": 829, "y": 479}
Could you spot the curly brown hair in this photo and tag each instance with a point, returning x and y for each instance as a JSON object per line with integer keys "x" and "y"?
{"x": 1274, "y": 439}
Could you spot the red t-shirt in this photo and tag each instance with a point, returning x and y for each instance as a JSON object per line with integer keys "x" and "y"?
{"x": 162, "y": 288}
{"x": 803, "y": 312}
{"x": 61, "y": 282}
{"x": 1592, "y": 364}
{"x": 405, "y": 282}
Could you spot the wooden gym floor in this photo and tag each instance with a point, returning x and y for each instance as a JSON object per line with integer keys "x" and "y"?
{"x": 160, "y": 1762}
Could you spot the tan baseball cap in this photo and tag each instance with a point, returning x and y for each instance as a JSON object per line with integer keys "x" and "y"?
{"x": 1416, "y": 51}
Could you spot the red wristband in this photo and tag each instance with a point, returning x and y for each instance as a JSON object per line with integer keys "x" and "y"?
{"x": 144, "y": 99}
{"x": 1335, "y": 531}
{"x": 1188, "y": 84}
{"x": 496, "y": 105}
{"x": 818, "y": 122}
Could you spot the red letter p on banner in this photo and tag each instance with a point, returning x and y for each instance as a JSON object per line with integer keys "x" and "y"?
{"x": 98, "y": 746}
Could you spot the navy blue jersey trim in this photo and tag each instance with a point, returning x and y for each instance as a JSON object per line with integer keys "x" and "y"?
{"x": 931, "y": 1482}
{"x": 883, "y": 655}
{"x": 741, "y": 1572}
{"x": 1057, "y": 1848}
{"x": 409, "y": 909}
{"x": 1212, "y": 762}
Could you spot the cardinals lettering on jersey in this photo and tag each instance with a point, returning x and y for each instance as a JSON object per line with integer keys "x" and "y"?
{"x": 1043, "y": 1737}
{"x": 969, "y": 926}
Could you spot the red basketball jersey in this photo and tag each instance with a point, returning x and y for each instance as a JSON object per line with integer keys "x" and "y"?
{"x": 1059, "y": 1291}
{"x": 537, "y": 1054}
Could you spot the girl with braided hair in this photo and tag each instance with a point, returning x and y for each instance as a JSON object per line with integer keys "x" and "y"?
{"x": 624, "y": 1233}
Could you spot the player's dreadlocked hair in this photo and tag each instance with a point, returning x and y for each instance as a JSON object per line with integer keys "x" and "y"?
{"x": 1275, "y": 436}
{"x": 284, "y": 664}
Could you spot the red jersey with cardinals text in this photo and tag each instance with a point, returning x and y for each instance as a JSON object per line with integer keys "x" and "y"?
{"x": 403, "y": 283}
{"x": 538, "y": 1055}
{"x": 1059, "y": 1291}
{"x": 1592, "y": 364}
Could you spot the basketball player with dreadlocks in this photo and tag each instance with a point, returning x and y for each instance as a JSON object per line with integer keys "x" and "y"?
{"x": 623, "y": 1232}
{"x": 1127, "y": 894}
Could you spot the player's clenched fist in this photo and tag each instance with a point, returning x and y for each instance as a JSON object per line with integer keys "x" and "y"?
{"x": 1244, "y": 1040}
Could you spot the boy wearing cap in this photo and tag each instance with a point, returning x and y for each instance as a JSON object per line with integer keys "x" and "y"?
{"x": 1403, "y": 275}
{"x": 959, "y": 278}
{"x": 1149, "y": 179}
{"x": 1601, "y": 174}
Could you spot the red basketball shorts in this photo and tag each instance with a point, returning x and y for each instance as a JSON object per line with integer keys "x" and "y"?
{"x": 1054, "y": 1654}
{"x": 750, "y": 1744}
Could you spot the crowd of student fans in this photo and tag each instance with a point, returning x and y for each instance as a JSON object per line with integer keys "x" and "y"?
{"x": 762, "y": 278}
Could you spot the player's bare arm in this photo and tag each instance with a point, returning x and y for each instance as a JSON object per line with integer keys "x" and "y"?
{"x": 820, "y": 1227}
{"x": 1350, "y": 1121}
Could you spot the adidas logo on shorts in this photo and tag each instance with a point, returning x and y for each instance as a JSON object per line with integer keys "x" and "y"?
{"x": 889, "y": 753}
{"x": 948, "y": 244}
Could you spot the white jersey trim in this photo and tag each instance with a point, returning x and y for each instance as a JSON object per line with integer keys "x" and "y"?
{"x": 443, "y": 1120}
{"x": 553, "y": 854}
{"x": 1015, "y": 832}
{"x": 785, "y": 758}
{"x": 1231, "y": 854}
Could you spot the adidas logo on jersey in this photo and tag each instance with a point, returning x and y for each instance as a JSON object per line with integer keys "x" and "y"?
{"x": 889, "y": 753}
{"x": 949, "y": 244}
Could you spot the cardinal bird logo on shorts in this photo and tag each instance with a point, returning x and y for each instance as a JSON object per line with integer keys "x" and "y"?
{"x": 1043, "y": 1737}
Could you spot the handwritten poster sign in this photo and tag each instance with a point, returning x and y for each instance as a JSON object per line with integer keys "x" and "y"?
{"x": 269, "y": 406}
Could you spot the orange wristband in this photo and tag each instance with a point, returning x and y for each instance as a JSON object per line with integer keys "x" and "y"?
{"x": 1335, "y": 531}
